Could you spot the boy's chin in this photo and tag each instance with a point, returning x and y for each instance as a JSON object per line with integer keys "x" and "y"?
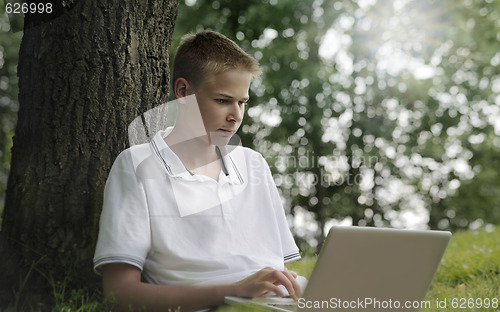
{"x": 219, "y": 139}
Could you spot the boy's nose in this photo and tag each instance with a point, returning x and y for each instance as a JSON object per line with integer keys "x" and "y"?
{"x": 236, "y": 113}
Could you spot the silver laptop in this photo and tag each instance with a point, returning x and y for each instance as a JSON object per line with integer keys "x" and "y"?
{"x": 367, "y": 269}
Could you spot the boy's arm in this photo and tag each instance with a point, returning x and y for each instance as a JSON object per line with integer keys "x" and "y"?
{"x": 122, "y": 283}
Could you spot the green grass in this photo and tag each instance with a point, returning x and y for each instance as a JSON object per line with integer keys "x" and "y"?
{"x": 469, "y": 274}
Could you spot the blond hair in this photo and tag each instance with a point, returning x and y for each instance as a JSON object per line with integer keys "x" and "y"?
{"x": 209, "y": 52}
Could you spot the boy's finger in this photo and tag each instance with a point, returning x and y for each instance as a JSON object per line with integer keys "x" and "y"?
{"x": 274, "y": 288}
{"x": 295, "y": 285}
{"x": 285, "y": 280}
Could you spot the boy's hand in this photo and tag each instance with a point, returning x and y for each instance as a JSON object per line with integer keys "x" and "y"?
{"x": 267, "y": 280}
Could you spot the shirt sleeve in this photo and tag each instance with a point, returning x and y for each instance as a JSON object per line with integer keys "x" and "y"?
{"x": 289, "y": 248}
{"x": 124, "y": 228}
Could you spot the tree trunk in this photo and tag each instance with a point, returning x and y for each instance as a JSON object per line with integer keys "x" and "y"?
{"x": 85, "y": 72}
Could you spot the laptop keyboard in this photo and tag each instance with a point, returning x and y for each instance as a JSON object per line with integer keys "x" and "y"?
{"x": 274, "y": 301}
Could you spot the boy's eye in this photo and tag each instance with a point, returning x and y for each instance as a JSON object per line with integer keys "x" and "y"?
{"x": 225, "y": 101}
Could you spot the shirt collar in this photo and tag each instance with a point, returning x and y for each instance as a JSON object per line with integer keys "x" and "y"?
{"x": 175, "y": 168}
{"x": 234, "y": 164}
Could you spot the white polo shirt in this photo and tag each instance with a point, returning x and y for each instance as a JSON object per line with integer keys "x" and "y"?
{"x": 185, "y": 229}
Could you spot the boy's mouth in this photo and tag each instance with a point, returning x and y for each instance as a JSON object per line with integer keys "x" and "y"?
{"x": 226, "y": 131}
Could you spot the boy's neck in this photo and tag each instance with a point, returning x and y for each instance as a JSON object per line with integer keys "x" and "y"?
{"x": 196, "y": 154}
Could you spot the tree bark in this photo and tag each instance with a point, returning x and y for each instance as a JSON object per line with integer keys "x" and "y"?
{"x": 85, "y": 72}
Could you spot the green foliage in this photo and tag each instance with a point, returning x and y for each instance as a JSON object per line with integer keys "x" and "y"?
{"x": 378, "y": 114}
{"x": 77, "y": 300}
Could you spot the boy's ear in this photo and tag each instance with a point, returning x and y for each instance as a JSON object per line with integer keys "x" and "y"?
{"x": 182, "y": 88}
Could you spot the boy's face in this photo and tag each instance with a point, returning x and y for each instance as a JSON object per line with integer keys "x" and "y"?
{"x": 221, "y": 99}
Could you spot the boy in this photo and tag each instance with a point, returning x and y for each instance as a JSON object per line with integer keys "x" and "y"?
{"x": 188, "y": 220}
